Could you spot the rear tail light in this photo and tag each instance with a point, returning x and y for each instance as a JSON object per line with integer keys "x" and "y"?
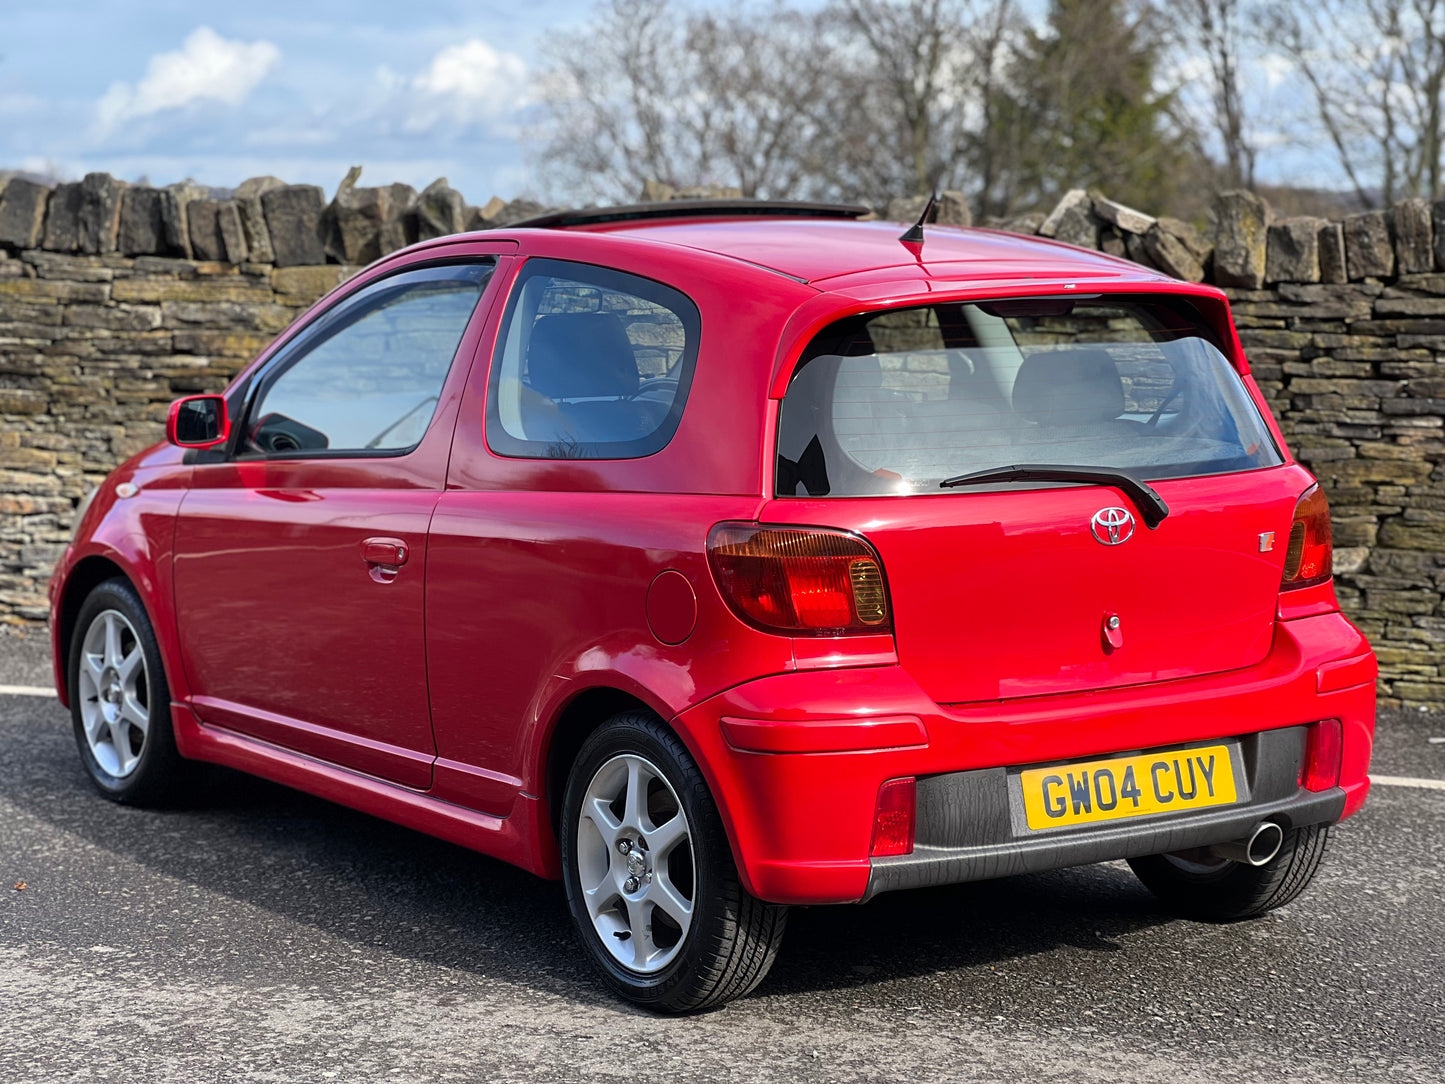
{"x": 893, "y": 818}
{"x": 800, "y": 580}
{"x": 1307, "y": 562}
{"x": 1324, "y": 749}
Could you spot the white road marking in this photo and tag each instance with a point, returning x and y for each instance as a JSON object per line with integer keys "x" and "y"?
{"x": 1405, "y": 781}
{"x": 27, "y": 690}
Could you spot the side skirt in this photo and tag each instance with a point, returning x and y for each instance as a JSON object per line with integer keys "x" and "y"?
{"x": 523, "y": 838}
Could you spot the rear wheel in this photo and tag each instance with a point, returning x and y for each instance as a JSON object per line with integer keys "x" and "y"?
{"x": 1199, "y": 885}
{"x": 650, "y": 877}
{"x": 119, "y": 703}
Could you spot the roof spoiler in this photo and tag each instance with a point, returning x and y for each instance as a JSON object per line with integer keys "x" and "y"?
{"x": 692, "y": 208}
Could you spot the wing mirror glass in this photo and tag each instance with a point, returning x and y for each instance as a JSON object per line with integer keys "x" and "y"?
{"x": 198, "y": 421}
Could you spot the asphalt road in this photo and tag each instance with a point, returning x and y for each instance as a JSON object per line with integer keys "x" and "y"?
{"x": 261, "y": 935}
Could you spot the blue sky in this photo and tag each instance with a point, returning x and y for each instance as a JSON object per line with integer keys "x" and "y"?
{"x": 167, "y": 90}
{"x": 170, "y": 89}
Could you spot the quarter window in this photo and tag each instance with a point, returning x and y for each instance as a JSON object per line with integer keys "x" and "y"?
{"x": 367, "y": 376}
{"x": 591, "y": 364}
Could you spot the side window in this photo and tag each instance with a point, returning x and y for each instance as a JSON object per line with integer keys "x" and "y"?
{"x": 590, "y": 364}
{"x": 366, "y": 377}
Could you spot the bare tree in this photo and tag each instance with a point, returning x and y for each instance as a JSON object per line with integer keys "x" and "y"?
{"x": 1375, "y": 70}
{"x": 1216, "y": 32}
{"x": 651, "y": 92}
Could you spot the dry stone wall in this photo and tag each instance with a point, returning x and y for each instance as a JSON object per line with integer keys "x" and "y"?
{"x": 115, "y": 299}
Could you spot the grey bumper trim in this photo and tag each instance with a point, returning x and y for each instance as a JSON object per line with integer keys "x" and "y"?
{"x": 969, "y": 827}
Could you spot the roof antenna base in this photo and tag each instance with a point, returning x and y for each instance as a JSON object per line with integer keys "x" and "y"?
{"x": 914, "y": 234}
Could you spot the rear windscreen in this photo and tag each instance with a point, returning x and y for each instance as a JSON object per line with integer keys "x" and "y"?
{"x": 896, "y": 402}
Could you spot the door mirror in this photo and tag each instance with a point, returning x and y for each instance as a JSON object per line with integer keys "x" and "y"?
{"x": 199, "y": 421}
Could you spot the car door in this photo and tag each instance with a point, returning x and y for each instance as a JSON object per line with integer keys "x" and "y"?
{"x": 300, "y": 553}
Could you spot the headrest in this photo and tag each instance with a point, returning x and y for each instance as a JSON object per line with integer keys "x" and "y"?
{"x": 1073, "y": 386}
{"x": 581, "y": 355}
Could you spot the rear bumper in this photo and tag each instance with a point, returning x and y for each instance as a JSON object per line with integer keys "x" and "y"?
{"x": 800, "y": 820}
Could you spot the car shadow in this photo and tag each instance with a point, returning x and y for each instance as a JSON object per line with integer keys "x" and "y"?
{"x": 372, "y": 883}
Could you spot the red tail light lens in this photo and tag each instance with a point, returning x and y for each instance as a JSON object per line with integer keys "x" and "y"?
{"x": 799, "y": 580}
{"x": 893, "y": 818}
{"x": 1324, "y": 749}
{"x": 1307, "y": 562}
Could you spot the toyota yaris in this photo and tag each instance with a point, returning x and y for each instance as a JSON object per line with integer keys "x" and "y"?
{"x": 714, "y": 558}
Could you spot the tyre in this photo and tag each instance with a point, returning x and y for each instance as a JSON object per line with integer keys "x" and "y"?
{"x": 1199, "y": 885}
{"x": 119, "y": 702}
{"x": 650, "y": 877}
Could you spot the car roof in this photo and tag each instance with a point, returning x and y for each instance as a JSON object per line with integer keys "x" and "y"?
{"x": 814, "y": 249}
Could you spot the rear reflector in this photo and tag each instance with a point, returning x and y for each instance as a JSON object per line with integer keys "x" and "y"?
{"x": 804, "y": 581}
{"x": 1324, "y": 749}
{"x": 893, "y": 819}
{"x": 1308, "y": 559}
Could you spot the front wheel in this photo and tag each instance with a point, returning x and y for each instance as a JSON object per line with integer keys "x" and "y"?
{"x": 1199, "y": 885}
{"x": 119, "y": 703}
{"x": 650, "y": 877}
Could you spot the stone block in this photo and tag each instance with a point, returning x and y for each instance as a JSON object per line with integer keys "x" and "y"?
{"x": 1293, "y": 251}
{"x": 363, "y": 224}
{"x": 1241, "y": 238}
{"x": 440, "y": 210}
{"x": 485, "y": 217}
{"x": 62, "y": 218}
{"x": 142, "y": 222}
{"x": 175, "y": 200}
{"x": 304, "y": 285}
{"x": 1111, "y": 241}
{"x": 952, "y": 209}
{"x": 1414, "y": 236}
{"x": 253, "y": 216}
{"x": 1332, "y": 253}
{"x": 1075, "y": 197}
{"x": 1125, "y": 218}
{"x": 293, "y": 219}
{"x": 99, "y": 216}
{"x": 1369, "y": 252}
{"x": 519, "y": 210}
{"x": 22, "y": 213}
{"x": 216, "y": 231}
{"x": 1175, "y": 247}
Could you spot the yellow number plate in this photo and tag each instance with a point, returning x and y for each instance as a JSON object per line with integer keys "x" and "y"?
{"x": 1105, "y": 790}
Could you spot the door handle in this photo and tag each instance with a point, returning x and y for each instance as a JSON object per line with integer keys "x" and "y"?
{"x": 390, "y": 552}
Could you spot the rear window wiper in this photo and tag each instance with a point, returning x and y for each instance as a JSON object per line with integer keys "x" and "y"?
{"x": 1151, "y": 506}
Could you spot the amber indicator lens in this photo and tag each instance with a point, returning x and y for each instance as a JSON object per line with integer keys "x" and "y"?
{"x": 1307, "y": 561}
{"x": 799, "y": 580}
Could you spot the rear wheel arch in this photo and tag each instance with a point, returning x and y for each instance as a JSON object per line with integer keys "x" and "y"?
{"x": 579, "y": 717}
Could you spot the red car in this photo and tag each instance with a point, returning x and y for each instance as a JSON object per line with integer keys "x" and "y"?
{"x": 714, "y": 558}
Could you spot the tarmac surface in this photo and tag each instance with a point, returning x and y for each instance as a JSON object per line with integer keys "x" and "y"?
{"x": 261, "y": 935}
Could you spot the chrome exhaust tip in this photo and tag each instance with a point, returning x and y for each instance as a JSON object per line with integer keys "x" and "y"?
{"x": 1255, "y": 849}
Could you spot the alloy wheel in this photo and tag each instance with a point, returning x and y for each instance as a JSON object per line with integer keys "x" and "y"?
{"x": 635, "y": 863}
{"x": 114, "y": 693}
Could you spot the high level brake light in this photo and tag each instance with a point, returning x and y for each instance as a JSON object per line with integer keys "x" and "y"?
{"x": 1308, "y": 560}
{"x": 801, "y": 581}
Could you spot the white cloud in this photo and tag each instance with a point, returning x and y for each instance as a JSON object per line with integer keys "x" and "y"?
{"x": 1276, "y": 69}
{"x": 206, "y": 67}
{"x": 468, "y": 83}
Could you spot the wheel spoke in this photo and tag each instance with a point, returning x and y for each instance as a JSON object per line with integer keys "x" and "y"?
{"x": 112, "y": 641}
{"x": 93, "y": 666}
{"x": 130, "y": 664}
{"x": 665, "y": 895}
{"x": 636, "y": 800}
{"x": 599, "y": 812}
{"x": 644, "y": 948}
{"x": 93, "y": 720}
{"x": 661, "y": 841}
{"x": 600, "y": 897}
{"x": 134, "y": 714}
{"x": 118, "y": 738}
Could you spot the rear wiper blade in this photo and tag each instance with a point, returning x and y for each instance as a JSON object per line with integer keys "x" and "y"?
{"x": 1151, "y": 506}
